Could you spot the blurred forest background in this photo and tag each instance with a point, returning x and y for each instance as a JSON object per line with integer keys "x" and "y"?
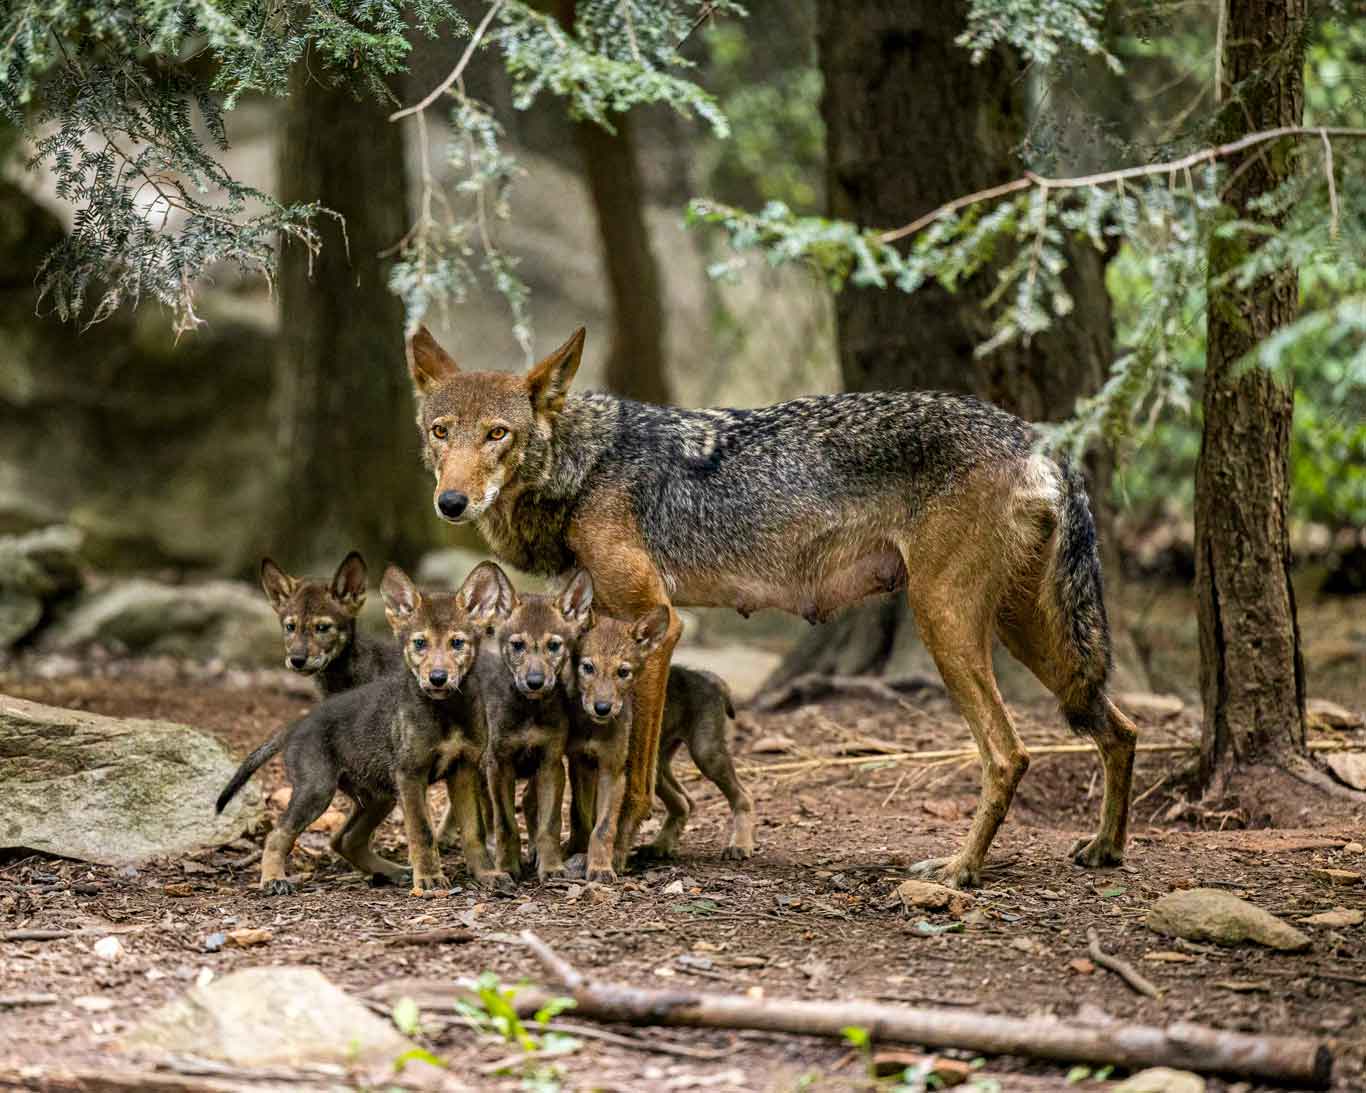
{"x": 281, "y": 422}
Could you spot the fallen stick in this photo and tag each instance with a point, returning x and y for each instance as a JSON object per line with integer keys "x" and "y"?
{"x": 36, "y": 935}
{"x": 972, "y": 753}
{"x": 444, "y": 936}
{"x": 15, "y": 1001}
{"x": 1121, "y": 968}
{"x": 1180, "y": 1045}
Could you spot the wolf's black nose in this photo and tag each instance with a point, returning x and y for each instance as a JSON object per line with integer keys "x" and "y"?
{"x": 535, "y": 680}
{"x": 602, "y": 709}
{"x": 297, "y": 662}
{"x": 451, "y": 503}
{"x": 437, "y": 677}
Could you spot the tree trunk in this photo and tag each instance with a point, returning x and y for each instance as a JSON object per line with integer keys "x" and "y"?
{"x": 1251, "y": 671}
{"x": 911, "y": 122}
{"x": 350, "y": 476}
{"x": 635, "y": 361}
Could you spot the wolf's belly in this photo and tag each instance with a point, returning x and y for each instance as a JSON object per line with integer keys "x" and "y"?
{"x": 814, "y": 587}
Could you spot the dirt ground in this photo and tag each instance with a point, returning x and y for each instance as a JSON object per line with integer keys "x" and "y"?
{"x": 812, "y": 916}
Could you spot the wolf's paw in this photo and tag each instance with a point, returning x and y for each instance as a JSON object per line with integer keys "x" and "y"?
{"x": 655, "y": 852}
{"x": 737, "y": 853}
{"x": 1096, "y": 853}
{"x": 951, "y": 872}
{"x": 576, "y": 867}
{"x": 279, "y": 887}
{"x": 607, "y": 875}
{"x": 384, "y": 880}
{"x": 496, "y": 880}
{"x": 430, "y": 882}
{"x": 555, "y": 872}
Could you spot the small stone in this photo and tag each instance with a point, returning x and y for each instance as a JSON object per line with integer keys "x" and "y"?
{"x": 1207, "y": 914}
{"x": 1348, "y": 767}
{"x": 246, "y": 937}
{"x": 1161, "y": 1079}
{"x": 1355, "y": 848}
{"x": 772, "y": 744}
{"x": 110, "y": 948}
{"x": 93, "y": 1003}
{"x": 933, "y": 897}
{"x": 574, "y": 891}
{"x": 1338, "y": 917}
{"x": 1149, "y": 707}
{"x": 215, "y": 941}
{"x": 1082, "y": 966}
{"x": 1321, "y": 714}
{"x": 674, "y": 889}
{"x": 602, "y": 894}
{"x": 1341, "y": 877}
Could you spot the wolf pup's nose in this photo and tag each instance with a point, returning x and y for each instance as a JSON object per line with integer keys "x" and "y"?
{"x": 437, "y": 677}
{"x": 535, "y": 680}
{"x": 451, "y": 504}
{"x": 602, "y": 709}
{"x": 297, "y": 662}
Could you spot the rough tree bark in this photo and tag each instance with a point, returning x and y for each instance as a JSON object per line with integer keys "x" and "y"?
{"x": 635, "y": 360}
{"x": 1251, "y": 671}
{"x": 912, "y": 122}
{"x": 350, "y": 476}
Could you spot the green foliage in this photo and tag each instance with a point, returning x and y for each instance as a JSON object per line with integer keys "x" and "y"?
{"x": 1039, "y": 29}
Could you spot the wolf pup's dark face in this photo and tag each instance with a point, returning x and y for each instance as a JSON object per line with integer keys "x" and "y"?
{"x": 317, "y": 618}
{"x": 609, "y": 657}
{"x": 479, "y": 428}
{"x": 537, "y": 637}
{"x": 439, "y": 631}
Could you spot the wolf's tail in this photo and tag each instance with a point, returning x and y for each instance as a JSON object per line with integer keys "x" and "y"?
{"x": 1075, "y": 586}
{"x": 250, "y": 765}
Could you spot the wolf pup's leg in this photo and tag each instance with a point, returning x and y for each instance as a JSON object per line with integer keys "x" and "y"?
{"x": 710, "y": 750}
{"x": 466, "y": 787}
{"x": 603, "y": 848}
{"x": 352, "y": 842}
{"x": 677, "y": 806}
{"x": 306, "y": 804}
{"x": 548, "y": 789}
{"x": 582, "y": 809}
{"x": 507, "y": 842}
{"x": 417, "y": 822}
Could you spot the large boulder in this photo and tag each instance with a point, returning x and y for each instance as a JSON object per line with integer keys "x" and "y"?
{"x": 216, "y": 619}
{"x": 279, "y": 1016}
{"x": 36, "y": 570}
{"x": 112, "y": 790}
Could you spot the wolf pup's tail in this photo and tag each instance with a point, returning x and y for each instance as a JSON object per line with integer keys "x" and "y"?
{"x": 250, "y": 765}
{"x": 1076, "y": 585}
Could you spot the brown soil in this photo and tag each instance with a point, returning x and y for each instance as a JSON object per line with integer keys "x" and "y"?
{"x": 809, "y": 917}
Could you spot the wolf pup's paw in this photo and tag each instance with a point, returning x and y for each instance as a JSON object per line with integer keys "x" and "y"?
{"x": 602, "y": 876}
{"x": 576, "y": 867}
{"x": 1096, "y": 853}
{"x": 278, "y": 887}
{"x": 430, "y": 882}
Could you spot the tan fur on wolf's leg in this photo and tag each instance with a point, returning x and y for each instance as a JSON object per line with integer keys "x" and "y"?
{"x": 1115, "y": 741}
{"x": 352, "y": 842}
{"x": 961, "y": 646}
{"x": 548, "y": 787}
{"x": 507, "y": 842}
{"x": 465, "y": 786}
{"x": 602, "y": 848}
{"x": 417, "y": 824}
{"x": 274, "y": 876}
{"x": 582, "y": 806}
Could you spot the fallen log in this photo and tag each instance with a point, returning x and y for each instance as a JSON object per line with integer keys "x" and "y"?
{"x": 1181, "y": 1045}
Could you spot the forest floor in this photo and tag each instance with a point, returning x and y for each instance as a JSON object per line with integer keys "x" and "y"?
{"x": 812, "y": 916}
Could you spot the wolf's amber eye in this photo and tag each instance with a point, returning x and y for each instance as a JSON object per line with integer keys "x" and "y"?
{"x": 497, "y": 433}
{"x": 586, "y": 667}
{"x": 457, "y": 644}
{"x": 439, "y": 431}
{"x": 419, "y": 643}
{"x": 554, "y": 645}
{"x": 623, "y": 672}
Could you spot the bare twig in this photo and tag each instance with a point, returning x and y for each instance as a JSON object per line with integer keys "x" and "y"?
{"x": 455, "y": 73}
{"x": 445, "y": 936}
{"x": 1332, "y": 186}
{"x": 1121, "y": 968}
{"x": 1205, "y": 155}
{"x": 15, "y": 1001}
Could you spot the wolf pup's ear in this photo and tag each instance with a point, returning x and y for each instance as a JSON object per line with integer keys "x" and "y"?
{"x": 400, "y": 595}
{"x": 348, "y": 583}
{"x": 487, "y": 593}
{"x": 649, "y": 630}
{"x": 576, "y": 601}
{"x": 428, "y": 363}
{"x": 548, "y": 382}
{"x": 276, "y": 584}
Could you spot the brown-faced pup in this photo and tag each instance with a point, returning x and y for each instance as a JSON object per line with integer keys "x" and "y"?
{"x": 386, "y": 741}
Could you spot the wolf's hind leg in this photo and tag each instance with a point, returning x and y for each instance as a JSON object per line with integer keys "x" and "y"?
{"x": 353, "y": 841}
{"x": 306, "y": 804}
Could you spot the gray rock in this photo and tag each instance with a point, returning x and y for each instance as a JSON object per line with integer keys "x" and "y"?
{"x": 280, "y": 1016}
{"x": 1207, "y": 914}
{"x": 217, "y": 619}
{"x": 112, "y": 790}
{"x": 36, "y": 569}
{"x": 1162, "y": 1079}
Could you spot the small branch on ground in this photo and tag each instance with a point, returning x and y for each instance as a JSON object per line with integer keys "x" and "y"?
{"x": 16, "y": 1001}
{"x": 1121, "y": 968}
{"x": 813, "y": 686}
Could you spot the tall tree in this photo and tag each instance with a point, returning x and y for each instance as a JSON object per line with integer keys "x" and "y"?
{"x": 350, "y": 478}
{"x": 1251, "y": 671}
{"x": 912, "y": 122}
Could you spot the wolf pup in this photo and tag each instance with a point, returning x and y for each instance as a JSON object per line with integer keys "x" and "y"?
{"x": 521, "y": 694}
{"x": 386, "y": 741}
{"x": 318, "y": 621}
{"x": 697, "y": 710}
{"x": 808, "y": 506}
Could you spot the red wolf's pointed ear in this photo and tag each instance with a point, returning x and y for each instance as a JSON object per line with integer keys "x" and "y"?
{"x": 348, "y": 583}
{"x": 400, "y": 595}
{"x": 487, "y": 594}
{"x": 276, "y": 583}
{"x": 428, "y": 363}
{"x": 548, "y": 382}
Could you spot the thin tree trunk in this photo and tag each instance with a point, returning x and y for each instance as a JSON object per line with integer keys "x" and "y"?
{"x": 635, "y": 361}
{"x": 1251, "y": 671}
{"x": 911, "y": 122}
{"x": 350, "y": 478}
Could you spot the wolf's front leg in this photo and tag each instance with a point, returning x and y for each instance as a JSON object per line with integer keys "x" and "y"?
{"x": 602, "y": 846}
{"x": 507, "y": 842}
{"x": 417, "y": 823}
{"x": 466, "y": 787}
{"x": 549, "y": 789}
{"x": 642, "y": 762}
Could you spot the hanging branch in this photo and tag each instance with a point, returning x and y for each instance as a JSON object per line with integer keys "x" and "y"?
{"x": 459, "y": 69}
